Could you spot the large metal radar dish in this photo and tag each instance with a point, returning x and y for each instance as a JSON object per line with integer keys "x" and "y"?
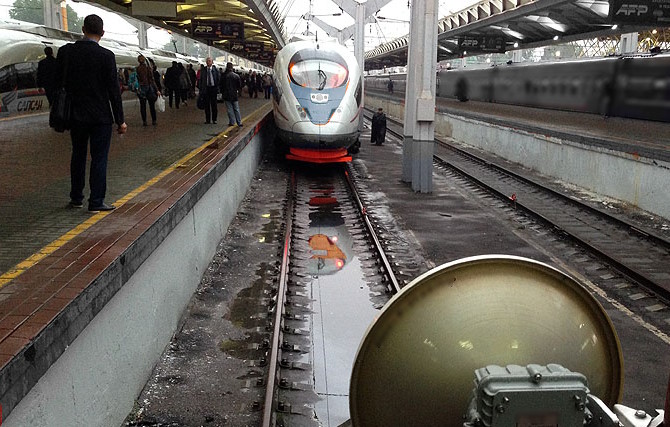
{"x": 416, "y": 364}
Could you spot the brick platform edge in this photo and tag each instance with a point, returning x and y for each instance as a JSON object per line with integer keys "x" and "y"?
{"x": 47, "y": 307}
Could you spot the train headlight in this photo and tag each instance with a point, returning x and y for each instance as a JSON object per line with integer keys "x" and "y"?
{"x": 301, "y": 111}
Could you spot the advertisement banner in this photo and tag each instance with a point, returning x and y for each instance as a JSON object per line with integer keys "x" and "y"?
{"x": 221, "y": 30}
{"x": 645, "y": 12}
{"x": 486, "y": 44}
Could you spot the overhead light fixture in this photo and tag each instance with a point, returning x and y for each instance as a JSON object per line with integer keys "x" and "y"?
{"x": 654, "y": 31}
{"x": 615, "y": 26}
{"x": 555, "y": 37}
{"x": 516, "y": 44}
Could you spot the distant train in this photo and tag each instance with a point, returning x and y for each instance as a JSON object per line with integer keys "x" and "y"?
{"x": 22, "y": 47}
{"x": 317, "y": 100}
{"x": 636, "y": 87}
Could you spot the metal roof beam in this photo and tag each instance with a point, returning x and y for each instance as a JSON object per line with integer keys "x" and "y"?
{"x": 269, "y": 20}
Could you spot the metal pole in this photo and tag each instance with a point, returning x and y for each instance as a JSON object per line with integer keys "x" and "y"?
{"x": 359, "y": 50}
{"x": 424, "y": 64}
{"x": 51, "y": 12}
{"x": 410, "y": 96}
{"x": 142, "y": 37}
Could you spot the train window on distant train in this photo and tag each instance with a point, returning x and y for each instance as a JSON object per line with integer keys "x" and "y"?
{"x": 318, "y": 74}
{"x": 26, "y": 75}
{"x": 7, "y": 79}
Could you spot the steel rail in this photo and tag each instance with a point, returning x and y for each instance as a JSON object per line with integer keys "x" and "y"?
{"x": 279, "y": 310}
{"x": 634, "y": 275}
{"x": 378, "y": 246}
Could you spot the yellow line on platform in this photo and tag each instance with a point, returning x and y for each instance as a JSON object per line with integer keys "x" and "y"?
{"x": 48, "y": 249}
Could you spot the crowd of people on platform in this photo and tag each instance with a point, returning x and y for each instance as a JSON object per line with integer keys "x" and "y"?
{"x": 179, "y": 82}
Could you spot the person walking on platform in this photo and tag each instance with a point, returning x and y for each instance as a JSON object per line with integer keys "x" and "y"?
{"x": 378, "y": 132}
{"x": 148, "y": 90}
{"x": 267, "y": 84}
{"x": 157, "y": 76}
{"x": 91, "y": 81}
{"x": 193, "y": 77}
{"x": 172, "y": 84}
{"x": 184, "y": 83}
{"x": 46, "y": 74}
{"x": 251, "y": 85}
{"x": 231, "y": 85}
{"x": 209, "y": 84}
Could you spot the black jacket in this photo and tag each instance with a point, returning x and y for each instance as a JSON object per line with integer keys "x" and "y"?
{"x": 230, "y": 86}
{"x": 203, "y": 78}
{"x": 91, "y": 81}
{"x": 47, "y": 70}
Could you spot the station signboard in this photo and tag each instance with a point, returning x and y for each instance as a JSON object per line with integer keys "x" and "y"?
{"x": 220, "y": 30}
{"x": 486, "y": 44}
{"x": 645, "y": 12}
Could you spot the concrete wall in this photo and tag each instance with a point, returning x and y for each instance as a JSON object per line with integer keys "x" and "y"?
{"x": 633, "y": 179}
{"x": 96, "y": 380}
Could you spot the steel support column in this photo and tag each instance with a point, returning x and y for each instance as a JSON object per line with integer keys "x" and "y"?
{"x": 628, "y": 43}
{"x": 413, "y": 48}
{"x": 142, "y": 37}
{"x": 359, "y": 52}
{"x": 423, "y": 61}
{"x": 52, "y": 14}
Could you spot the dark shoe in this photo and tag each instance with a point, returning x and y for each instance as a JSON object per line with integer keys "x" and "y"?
{"x": 239, "y": 125}
{"x": 231, "y": 124}
{"x": 74, "y": 204}
{"x": 207, "y": 122}
{"x": 214, "y": 122}
{"x": 102, "y": 208}
{"x": 153, "y": 123}
{"x": 144, "y": 124}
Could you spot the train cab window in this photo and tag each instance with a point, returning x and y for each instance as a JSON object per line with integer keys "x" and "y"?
{"x": 7, "y": 79}
{"x": 26, "y": 75}
{"x": 318, "y": 74}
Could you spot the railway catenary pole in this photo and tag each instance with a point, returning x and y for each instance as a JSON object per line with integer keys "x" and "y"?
{"x": 420, "y": 94}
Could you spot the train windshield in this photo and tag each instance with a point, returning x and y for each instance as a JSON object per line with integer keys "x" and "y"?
{"x": 318, "y": 74}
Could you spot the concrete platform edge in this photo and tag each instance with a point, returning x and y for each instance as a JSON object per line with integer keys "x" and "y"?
{"x": 88, "y": 365}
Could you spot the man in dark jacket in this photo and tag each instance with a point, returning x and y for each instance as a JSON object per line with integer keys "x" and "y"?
{"x": 172, "y": 84}
{"x": 378, "y": 133}
{"x": 231, "y": 85}
{"x": 47, "y": 69}
{"x": 91, "y": 82}
{"x": 209, "y": 86}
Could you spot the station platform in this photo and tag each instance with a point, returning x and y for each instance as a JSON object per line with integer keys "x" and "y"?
{"x": 637, "y": 137}
{"x": 52, "y": 255}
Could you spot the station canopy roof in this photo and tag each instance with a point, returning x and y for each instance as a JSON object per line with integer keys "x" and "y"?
{"x": 251, "y": 29}
{"x": 496, "y": 26}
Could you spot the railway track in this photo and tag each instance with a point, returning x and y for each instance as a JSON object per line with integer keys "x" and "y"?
{"x": 334, "y": 277}
{"x": 637, "y": 254}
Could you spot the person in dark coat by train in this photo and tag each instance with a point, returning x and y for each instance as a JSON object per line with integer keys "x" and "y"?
{"x": 378, "y": 134}
{"x": 46, "y": 74}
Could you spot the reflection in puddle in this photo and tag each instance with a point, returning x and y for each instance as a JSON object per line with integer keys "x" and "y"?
{"x": 342, "y": 309}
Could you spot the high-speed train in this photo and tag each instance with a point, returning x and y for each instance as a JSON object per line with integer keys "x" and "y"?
{"x": 317, "y": 100}
{"x": 22, "y": 47}
{"x": 635, "y": 87}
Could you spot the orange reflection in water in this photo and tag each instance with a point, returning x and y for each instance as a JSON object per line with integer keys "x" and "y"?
{"x": 325, "y": 248}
